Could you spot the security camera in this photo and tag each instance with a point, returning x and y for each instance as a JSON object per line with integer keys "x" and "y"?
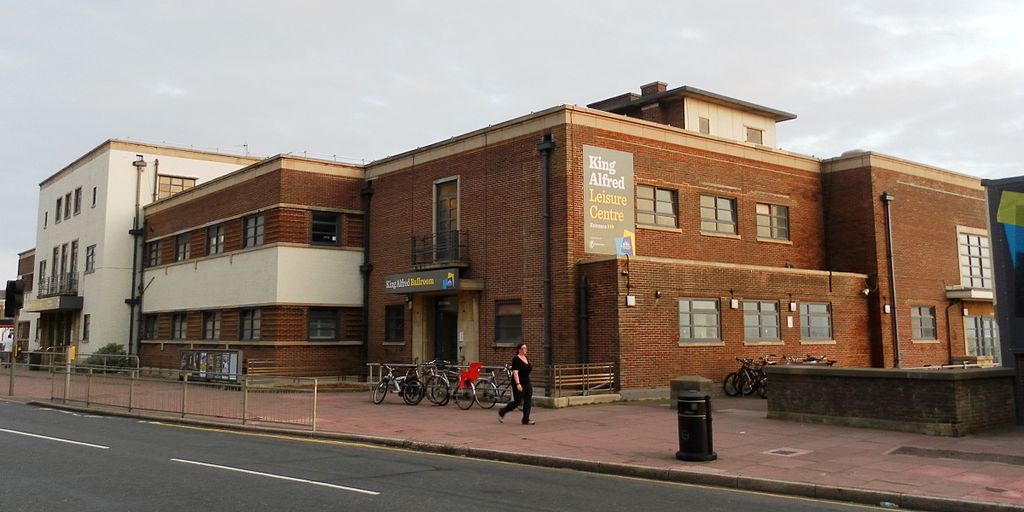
{"x": 866, "y": 291}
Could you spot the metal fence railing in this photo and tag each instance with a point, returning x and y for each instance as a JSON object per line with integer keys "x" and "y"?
{"x": 290, "y": 401}
{"x": 566, "y": 379}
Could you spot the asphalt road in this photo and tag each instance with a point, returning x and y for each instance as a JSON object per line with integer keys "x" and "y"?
{"x": 57, "y": 461}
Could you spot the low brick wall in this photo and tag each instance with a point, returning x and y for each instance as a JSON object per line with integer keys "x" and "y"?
{"x": 951, "y": 402}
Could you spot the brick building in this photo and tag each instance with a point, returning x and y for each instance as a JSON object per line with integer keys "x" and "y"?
{"x": 660, "y": 231}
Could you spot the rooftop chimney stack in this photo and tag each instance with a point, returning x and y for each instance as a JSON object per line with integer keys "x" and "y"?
{"x": 653, "y": 88}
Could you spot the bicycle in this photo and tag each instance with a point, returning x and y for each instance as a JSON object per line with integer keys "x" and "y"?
{"x": 436, "y": 382}
{"x": 407, "y": 386}
{"x": 749, "y": 378}
{"x": 489, "y": 392}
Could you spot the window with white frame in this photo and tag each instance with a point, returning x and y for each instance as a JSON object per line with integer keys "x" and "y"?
{"x": 698, "y": 320}
{"x": 975, "y": 261}
{"x": 922, "y": 323}
{"x": 169, "y": 185}
{"x": 772, "y": 221}
{"x": 718, "y": 214}
{"x": 761, "y": 320}
{"x": 655, "y": 206}
{"x": 152, "y": 253}
{"x": 815, "y": 321}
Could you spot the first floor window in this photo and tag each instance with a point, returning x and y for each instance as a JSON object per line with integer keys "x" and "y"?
{"x": 922, "y": 323}
{"x": 90, "y": 258}
{"x": 718, "y": 215}
{"x": 772, "y": 221}
{"x": 323, "y": 324}
{"x": 815, "y": 321}
{"x": 250, "y": 324}
{"x": 182, "y": 247}
{"x": 508, "y": 321}
{"x": 394, "y": 323}
{"x": 211, "y": 325}
{"x": 655, "y": 206}
{"x": 761, "y": 320}
{"x": 179, "y": 326}
{"x": 86, "y": 319}
{"x": 698, "y": 320}
{"x": 252, "y": 230}
{"x": 149, "y": 327}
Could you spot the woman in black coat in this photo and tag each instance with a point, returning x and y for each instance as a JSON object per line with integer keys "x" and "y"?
{"x": 522, "y": 390}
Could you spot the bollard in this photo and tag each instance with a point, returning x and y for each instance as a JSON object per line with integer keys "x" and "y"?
{"x": 695, "y": 427}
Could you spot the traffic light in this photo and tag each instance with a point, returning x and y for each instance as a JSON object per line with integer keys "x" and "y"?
{"x": 14, "y": 298}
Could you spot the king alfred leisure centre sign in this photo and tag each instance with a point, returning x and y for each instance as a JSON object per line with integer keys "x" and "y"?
{"x": 609, "y": 223}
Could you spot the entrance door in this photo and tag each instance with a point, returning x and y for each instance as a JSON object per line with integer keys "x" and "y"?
{"x": 982, "y": 336}
{"x": 446, "y": 328}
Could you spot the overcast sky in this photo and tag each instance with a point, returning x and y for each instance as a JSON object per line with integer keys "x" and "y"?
{"x": 937, "y": 82}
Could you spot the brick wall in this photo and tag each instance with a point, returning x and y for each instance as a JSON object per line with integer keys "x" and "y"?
{"x": 938, "y": 402}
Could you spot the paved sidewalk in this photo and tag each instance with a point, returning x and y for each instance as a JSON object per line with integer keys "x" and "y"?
{"x": 975, "y": 473}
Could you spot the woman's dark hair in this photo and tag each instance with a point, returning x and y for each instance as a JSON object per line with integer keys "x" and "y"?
{"x": 519, "y": 346}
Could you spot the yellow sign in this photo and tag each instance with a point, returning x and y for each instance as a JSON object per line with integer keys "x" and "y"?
{"x": 73, "y": 352}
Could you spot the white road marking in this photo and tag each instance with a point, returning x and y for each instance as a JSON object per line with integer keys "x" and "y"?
{"x": 54, "y": 439}
{"x": 279, "y": 477}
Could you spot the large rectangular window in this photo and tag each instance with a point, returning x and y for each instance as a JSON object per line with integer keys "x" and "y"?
{"x": 815, "y": 321}
{"x": 761, "y": 321}
{"x": 252, "y": 230}
{"x": 655, "y": 206}
{"x": 215, "y": 239}
{"x": 86, "y": 321}
{"x": 772, "y": 221}
{"x": 718, "y": 214}
{"x": 211, "y": 325}
{"x": 975, "y": 261}
{"x": 42, "y": 272}
{"x": 508, "y": 321}
{"x": 249, "y": 324}
{"x": 323, "y": 324}
{"x": 170, "y": 185}
{"x": 78, "y": 200}
{"x": 922, "y": 323}
{"x": 179, "y": 326}
{"x": 982, "y": 336}
{"x": 56, "y": 213}
{"x": 152, "y": 253}
{"x": 394, "y": 323}
{"x": 182, "y": 247}
{"x": 325, "y": 228}
{"x": 67, "y": 205}
{"x": 698, "y": 320}
{"x": 90, "y": 258}
{"x": 73, "y": 258}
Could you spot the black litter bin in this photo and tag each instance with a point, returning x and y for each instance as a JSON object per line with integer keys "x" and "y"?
{"x": 35, "y": 361}
{"x": 695, "y": 427}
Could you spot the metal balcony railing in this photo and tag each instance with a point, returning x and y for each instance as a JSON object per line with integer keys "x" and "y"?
{"x": 444, "y": 248}
{"x": 60, "y": 284}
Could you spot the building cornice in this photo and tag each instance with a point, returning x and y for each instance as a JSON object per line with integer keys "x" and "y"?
{"x": 269, "y": 165}
{"x": 153, "y": 149}
{"x": 864, "y": 159}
